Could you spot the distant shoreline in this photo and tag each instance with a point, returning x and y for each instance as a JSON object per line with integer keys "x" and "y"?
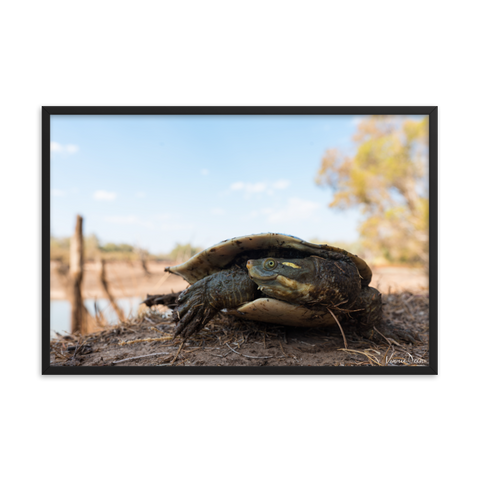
{"x": 128, "y": 279}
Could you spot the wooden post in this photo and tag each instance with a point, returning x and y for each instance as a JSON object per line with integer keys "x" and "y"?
{"x": 104, "y": 283}
{"x": 143, "y": 262}
{"x": 78, "y": 318}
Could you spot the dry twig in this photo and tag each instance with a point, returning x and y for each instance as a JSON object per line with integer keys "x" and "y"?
{"x": 178, "y": 351}
{"x": 340, "y": 327}
{"x": 370, "y": 357}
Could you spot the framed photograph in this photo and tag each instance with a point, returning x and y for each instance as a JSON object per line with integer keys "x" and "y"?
{"x": 239, "y": 240}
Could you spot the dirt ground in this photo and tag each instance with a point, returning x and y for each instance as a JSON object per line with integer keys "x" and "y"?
{"x": 147, "y": 340}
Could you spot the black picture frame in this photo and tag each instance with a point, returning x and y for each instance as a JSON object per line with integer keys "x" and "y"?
{"x": 431, "y": 369}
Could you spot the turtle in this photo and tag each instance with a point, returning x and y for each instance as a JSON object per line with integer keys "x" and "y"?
{"x": 276, "y": 278}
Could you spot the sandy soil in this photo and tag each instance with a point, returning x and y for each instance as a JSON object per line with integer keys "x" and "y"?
{"x": 147, "y": 340}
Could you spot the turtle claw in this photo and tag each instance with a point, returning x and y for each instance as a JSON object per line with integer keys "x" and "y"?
{"x": 192, "y": 321}
{"x": 183, "y": 322}
{"x": 193, "y": 311}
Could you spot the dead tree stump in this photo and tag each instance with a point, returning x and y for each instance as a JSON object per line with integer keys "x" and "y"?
{"x": 143, "y": 262}
{"x": 111, "y": 298}
{"x": 78, "y": 317}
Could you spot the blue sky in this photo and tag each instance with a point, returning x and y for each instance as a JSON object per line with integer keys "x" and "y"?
{"x": 152, "y": 181}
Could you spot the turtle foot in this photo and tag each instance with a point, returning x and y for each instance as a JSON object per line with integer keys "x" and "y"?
{"x": 193, "y": 311}
{"x": 200, "y": 302}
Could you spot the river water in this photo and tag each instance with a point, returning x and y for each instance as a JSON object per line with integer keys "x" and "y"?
{"x": 60, "y": 311}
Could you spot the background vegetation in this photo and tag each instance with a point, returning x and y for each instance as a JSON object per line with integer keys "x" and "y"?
{"x": 94, "y": 250}
{"x": 387, "y": 179}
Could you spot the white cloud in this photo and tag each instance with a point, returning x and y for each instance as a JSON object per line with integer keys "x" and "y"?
{"x": 260, "y": 187}
{"x": 204, "y": 171}
{"x": 57, "y": 193}
{"x": 296, "y": 209}
{"x": 237, "y": 186}
{"x": 249, "y": 188}
{"x": 103, "y": 195}
{"x": 69, "y": 149}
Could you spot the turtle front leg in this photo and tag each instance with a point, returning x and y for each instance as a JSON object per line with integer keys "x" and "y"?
{"x": 194, "y": 309}
{"x": 200, "y": 302}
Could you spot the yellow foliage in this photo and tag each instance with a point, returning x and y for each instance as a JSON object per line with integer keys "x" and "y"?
{"x": 387, "y": 178}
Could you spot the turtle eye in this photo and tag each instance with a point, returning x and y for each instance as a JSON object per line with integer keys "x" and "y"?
{"x": 270, "y": 264}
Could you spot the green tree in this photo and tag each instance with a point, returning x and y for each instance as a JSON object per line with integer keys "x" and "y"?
{"x": 387, "y": 179}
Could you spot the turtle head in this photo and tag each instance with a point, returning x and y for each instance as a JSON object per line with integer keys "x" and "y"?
{"x": 281, "y": 278}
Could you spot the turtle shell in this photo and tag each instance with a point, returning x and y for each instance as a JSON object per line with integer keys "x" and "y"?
{"x": 227, "y": 253}
{"x": 236, "y": 251}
